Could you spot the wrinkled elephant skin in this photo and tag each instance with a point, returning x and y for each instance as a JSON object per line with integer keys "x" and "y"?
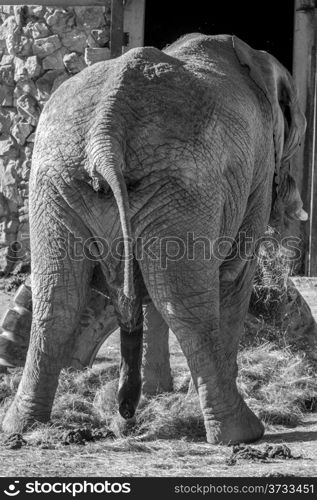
{"x": 170, "y": 150}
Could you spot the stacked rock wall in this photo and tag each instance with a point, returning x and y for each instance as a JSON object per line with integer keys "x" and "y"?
{"x": 40, "y": 47}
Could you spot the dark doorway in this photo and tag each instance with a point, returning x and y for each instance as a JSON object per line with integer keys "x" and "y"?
{"x": 265, "y": 25}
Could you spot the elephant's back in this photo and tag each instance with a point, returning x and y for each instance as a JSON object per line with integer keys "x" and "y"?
{"x": 182, "y": 108}
{"x": 159, "y": 106}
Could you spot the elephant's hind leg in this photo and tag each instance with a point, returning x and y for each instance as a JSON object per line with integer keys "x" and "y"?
{"x": 234, "y": 302}
{"x": 156, "y": 368}
{"x": 188, "y": 299}
{"x": 59, "y": 291}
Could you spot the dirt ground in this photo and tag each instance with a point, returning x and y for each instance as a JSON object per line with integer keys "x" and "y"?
{"x": 179, "y": 457}
{"x": 163, "y": 458}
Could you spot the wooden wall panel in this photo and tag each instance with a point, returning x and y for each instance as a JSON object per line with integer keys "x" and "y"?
{"x": 304, "y": 163}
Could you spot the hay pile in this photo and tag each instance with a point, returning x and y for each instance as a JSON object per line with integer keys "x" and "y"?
{"x": 279, "y": 386}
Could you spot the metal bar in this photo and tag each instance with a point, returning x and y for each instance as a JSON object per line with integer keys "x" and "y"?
{"x": 116, "y": 30}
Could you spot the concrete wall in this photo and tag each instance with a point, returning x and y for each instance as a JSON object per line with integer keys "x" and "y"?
{"x": 40, "y": 47}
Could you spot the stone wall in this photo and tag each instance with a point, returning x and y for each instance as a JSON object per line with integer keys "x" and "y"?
{"x": 40, "y": 47}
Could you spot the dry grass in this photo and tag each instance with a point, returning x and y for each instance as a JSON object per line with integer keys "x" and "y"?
{"x": 168, "y": 438}
{"x": 278, "y": 384}
{"x": 274, "y": 266}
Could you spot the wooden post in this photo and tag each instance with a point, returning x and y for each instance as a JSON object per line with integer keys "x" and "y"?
{"x": 312, "y": 269}
{"x": 304, "y": 164}
{"x": 116, "y": 31}
{"x": 134, "y": 15}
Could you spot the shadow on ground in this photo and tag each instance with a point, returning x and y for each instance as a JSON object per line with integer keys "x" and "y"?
{"x": 290, "y": 437}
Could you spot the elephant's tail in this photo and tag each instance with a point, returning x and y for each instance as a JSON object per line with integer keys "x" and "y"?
{"x": 108, "y": 166}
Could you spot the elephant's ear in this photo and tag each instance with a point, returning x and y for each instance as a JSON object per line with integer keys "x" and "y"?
{"x": 278, "y": 86}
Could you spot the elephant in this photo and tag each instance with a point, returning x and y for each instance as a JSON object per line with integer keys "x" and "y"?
{"x": 142, "y": 166}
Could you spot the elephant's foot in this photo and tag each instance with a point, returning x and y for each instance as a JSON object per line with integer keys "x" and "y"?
{"x": 128, "y": 397}
{"x": 20, "y": 418}
{"x": 241, "y": 427}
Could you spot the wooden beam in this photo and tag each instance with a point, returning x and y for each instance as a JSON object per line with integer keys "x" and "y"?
{"x": 312, "y": 242}
{"x": 303, "y": 164}
{"x": 116, "y": 30}
{"x": 134, "y": 16}
{"x": 57, "y": 3}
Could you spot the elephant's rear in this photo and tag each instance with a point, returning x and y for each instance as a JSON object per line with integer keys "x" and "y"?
{"x": 191, "y": 125}
{"x": 178, "y": 127}
{"x": 180, "y": 138}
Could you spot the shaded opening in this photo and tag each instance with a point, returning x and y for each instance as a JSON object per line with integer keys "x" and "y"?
{"x": 263, "y": 25}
